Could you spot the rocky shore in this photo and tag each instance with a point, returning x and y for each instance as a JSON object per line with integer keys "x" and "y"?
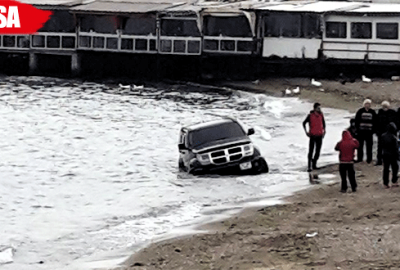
{"x": 319, "y": 228}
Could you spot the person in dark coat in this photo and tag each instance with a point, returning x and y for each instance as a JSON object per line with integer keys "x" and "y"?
{"x": 347, "y": 147}
{"x": 365, "y": 124}
{"x": 352, "y": 128}
{"x": 384, "y": 117}
{"x": 316, "y": 133}
{"x": 390, "y": 155}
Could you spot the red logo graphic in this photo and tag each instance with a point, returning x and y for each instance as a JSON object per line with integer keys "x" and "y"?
{"x": 20, "y": 18}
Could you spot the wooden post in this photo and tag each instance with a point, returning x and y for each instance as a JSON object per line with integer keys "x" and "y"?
{"x": 75, "y": 64}
{"x": 33, "y": 63}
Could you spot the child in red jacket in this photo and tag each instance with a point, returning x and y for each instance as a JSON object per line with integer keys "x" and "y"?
{"x": 346, "y": 148}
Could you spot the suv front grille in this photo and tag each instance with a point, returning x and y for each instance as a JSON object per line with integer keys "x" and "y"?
{"x": 227, "y": 155}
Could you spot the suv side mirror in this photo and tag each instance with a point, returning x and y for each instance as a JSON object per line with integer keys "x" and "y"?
{"x": 181, "y": 146}
{"x": 250, "y": 131}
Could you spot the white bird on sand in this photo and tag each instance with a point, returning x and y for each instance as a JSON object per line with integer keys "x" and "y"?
{"x": 138, "y": 86}
{"x": 288, "y": 92}
{"x": 256, "y": 81}
{"x": 296, "y": 90}
{"x": 124, "y": 86}
{"x": 315, "y": 83}
{"x": 365, "y": 79}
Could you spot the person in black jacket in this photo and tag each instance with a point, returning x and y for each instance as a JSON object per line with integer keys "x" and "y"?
{"x": 365, "y": 123}
{"x": 352, "y": 128}
{"x": 390, "y": 155}
{"x": 384, "y": 118}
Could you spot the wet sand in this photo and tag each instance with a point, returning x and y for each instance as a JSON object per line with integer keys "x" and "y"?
{"x": 319, "y": 228}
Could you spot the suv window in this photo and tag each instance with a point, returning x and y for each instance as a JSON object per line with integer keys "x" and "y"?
{"x": 210, "y": 134}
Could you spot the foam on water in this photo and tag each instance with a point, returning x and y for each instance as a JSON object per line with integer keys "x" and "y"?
{"x": 89, "y": 171}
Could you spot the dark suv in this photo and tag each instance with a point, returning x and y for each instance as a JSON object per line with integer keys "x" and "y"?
{"x": 218, "y": 145}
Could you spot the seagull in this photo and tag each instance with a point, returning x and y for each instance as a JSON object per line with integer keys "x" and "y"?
{"x": 124, "y": 86}
{"x": 365, "y": 79}
{"x": 315, "y": 83}
{"x": 256, "y": 81}
{"x": 288, "y": 92}
{"x": 296, "y": 90}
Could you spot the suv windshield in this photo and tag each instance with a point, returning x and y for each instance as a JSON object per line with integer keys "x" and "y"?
{"x": 220, "y": 132}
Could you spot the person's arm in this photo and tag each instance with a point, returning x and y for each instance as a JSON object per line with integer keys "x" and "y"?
{"x": 357, "y": 119}
{"x": 323, "y": 124}
{"x": 375, "y": 122}
{"x": 356, "y": 143}
{"x": 337, "y": 147}
{"x": 307, "y": 120}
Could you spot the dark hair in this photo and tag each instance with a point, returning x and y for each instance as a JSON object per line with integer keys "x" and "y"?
{"x": 316, "y": 105}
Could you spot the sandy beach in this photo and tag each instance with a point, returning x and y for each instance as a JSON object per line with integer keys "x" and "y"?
{"x": 319, "y": 228}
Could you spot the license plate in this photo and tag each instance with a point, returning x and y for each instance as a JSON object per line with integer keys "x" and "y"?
{"x": 245, "y": 166}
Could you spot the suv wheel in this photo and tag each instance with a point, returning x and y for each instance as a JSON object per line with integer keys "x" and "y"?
{"x": 195, "y": 168}
{"x": 261, "y": 166}
{"x": 181, "y": 166}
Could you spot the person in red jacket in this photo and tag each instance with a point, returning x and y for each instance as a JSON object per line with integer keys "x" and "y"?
{"x": 316, "y": 133}
{"x": 347, "y": 147}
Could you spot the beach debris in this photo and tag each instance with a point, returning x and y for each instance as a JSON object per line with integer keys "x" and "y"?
{"x": 344, "y": 79}
{"x": 365, "y": 79}
{"x": 395, "y": 78}
{"x": 296, "y": 90}
{"x": 263, "y": 134}
{"x": 124, "y": 86}
{"x": 315, "y": 83}
{"x": 322, "y": 90}
{"x": 310, "y": 235}
{"x": 137, "y": 264}
{"x": 6, "y": 255}
{"x": 138, "y": 86}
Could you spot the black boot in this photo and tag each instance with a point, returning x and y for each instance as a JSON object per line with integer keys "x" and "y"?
{"x": 314, "y": 164}
{"x": 309, "y": 166}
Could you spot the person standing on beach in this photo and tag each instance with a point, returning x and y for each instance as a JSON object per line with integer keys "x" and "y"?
{"x": 390, "y": 155}
{"x": 316, "y": 133}
{"x": 384, "y": 118}
{"x": 365, "y": 123}
{"x": 347, "y": 147}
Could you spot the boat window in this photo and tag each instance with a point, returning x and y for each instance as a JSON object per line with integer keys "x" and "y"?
{"x": 139, "y": 25}
{"x": 361, "y": 30}
{"x": 310, "y": 26}
{"x": 60, "y": 21}
{"x": 387, "y": 30}
{"x": 235, "y": 26}
{"x": 291, "y": 25}
{"x": 99, "y": 24}
{"x": 336, "y": 30}
{"x": 180, "y": 28}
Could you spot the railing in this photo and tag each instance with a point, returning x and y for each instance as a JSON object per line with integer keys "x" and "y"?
{"x": 44, "y": 40}
{"x": 117, "y": 42}
{"x": 233, "y": 45}
{"x": 15, "y": 42}
{"x": 139, "y": 44}
{"x": 98, "y": 42}
{"x": 361, "y": 50}
{"x": 180, "y": 45}
{"x": 53, "y": 41}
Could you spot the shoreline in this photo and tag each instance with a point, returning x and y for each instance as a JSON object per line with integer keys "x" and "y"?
{"x": 315, "y": 228}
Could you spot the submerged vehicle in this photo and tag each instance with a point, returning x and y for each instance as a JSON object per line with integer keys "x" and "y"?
{"x": 219, "y": 146}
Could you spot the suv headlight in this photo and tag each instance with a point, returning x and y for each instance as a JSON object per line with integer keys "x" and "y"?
{"x": 203, "y": 158}
{"x": 248, "y": 150}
